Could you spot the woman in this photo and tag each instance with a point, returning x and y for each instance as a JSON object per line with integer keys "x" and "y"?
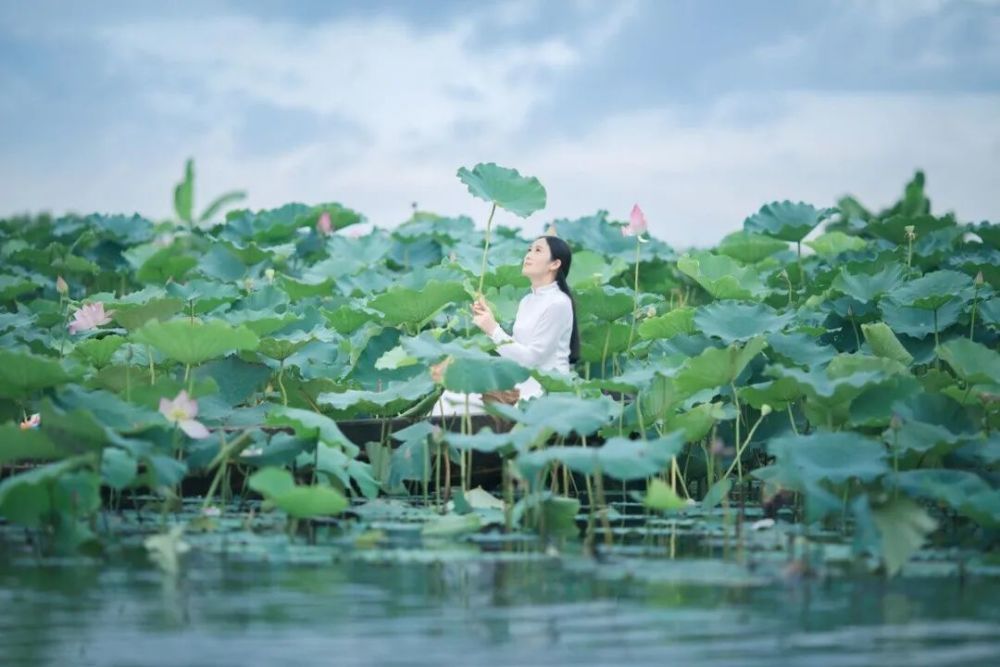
{"x": 545, "y": 334}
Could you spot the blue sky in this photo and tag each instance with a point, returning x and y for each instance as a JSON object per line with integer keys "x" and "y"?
{"x": 700, "y": 111}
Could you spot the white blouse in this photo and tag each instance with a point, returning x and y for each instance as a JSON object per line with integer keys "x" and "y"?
{"x": 542, "y": 330}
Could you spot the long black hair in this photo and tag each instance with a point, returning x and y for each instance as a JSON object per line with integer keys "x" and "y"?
{"x": 560, "y": 250}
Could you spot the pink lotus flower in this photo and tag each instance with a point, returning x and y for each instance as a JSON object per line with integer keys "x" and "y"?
{"x": 90, "y": 316}
{"x": 182, "y": 411}
{"x": 323, "y": 225}
{"x": 34, "y": 421}
{"x": 636, "y": 224}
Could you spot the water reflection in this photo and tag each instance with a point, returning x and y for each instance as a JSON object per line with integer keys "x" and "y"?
{"x": 221, "y": 612}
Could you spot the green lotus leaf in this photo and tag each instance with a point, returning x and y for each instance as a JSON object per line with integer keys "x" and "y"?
{"x": 933, "y": 290}
{"x": 604, "y": 303}
{"x": 165, "y": 264}
{"x": 17, "y": 444}
{"x": 14, "y": 287}
{"x": 834, "y": 243}
{"x": 466, "y": 375}
{"x": 451, "y": 525}
{"x": 22, "y": 373}
{"x": 333, "y": 462}
{"x": 833, "y": 457}
{"x": 716, "y": 367}
{"x": 893, "y": 228}
{"x": 801, "y": 349}
{"x": 601, "y": 341}
{"x": 349, "y": 318}
{"x": 659, "y": 496}
{"x": 919, "y": 322}
{"x": 401, "y": 305}
{"x": 785, "y": 220}
{"x": 184, "y": 194}
{"x": 118, "y": 468}
{"x": 278, "y": 486}
{"x": 282, "y": 347}
{"x": 485, "y": 441}
{"x": 750, "y": 248}
{"x": 98, "y": 351}
{"x": 869, "y": 287}
{"x": 504, "y": 187}
{"x": 733, "y": 321}
{"x": 562, "y": 413}
{"x": 883, "y": 342}
{"x": 718, "y": 493}
{"x": 972, "y": 362}
{"x": 776, "y": 393}
{"x": 721, "y": 276}
{"x": 391, "y": 400}
{"x": 312, "y": 426}
{"x": 201, "y": 295}
{"x": 695, "y": 423}
{"x": 619, "y": 458}
{"x": 904, "y": 527}
{"x": 876, "y": 405}
{"x": 133, "y": 316}
{"x": 193, "y": 341}
{"x": 677, "y": 321}
{"x": 591, "y": 269}
{"x": 340, "y": 216}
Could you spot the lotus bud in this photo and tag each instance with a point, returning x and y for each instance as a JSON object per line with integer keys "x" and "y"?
{"x": 248, "y": 284}
{"x": 650, "y": 311}
{"x": 896, "y": 422}
{"x": 979, "y": 279}
{"x": 551, "y": 230}
{"x": 269, "y": 274}
{"x": 765, "y": 410}
{"x": 63, "y": 288}
{"x": 911, "y": 232}
{"x": 850, "y": 311}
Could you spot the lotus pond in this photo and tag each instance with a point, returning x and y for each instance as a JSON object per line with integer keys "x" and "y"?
{"x": 217, "y": 439}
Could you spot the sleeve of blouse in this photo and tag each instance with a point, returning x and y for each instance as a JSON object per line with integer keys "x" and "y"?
{"x": 541, "y": 342}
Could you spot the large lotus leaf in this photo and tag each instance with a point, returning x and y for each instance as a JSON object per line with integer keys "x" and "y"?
{"x": 989, "y": 311}
{"x": 833, "y": 457}
{"x": 661, "y": 497}
{"x": 869, "y": 287}
{"x": 776, "y": 393}
{"x": 98, "y": 351}
{"x": 733, "y": 321}
{"x": 392, "y": 399}
{"x": 903, "y": 526}
{"x": 591, "y": 269}
{"x": 677, "y": 321}
{"x": 893, "y": 228}
{"x": 340, "y": 216}
{"x": 981, "y": 260}
{"x": 332, "y": 461}
{"x": 619, "y": 458}
{"x": 406, "y": 306}
{"x": 605, "y": 303}
{"x": 133, "y": 316}
{"x": 22, "y": 373}
{"x": 13, "y": 287}
{"x": 801, "y": 349}
{"x": 504, "y": 187}
{"x": 972, "y": 362}
{"x": 312, "y": 426}
{"x": 278, "y": 486}
{"x": 716, "y": 367}
{"x": 237, "y": 379}
{"x": 921, "y": 439}
{"x": 785, "y": 220}
{"x": 350, "y": 317}
{"x": 564, "y": 414}
{"x": 722, "y": 277}
{"x": 832, "y": 244}
{"x": 193, "y": 341}
{"x": 883, "y": 342}
{"x": 876, "y": 405}
{"x": 17, "y": 444}
{"x": 466, "y": 375}
{"x": 933, "y": 290}
{"x": 824, "y": 392}
{"x": 118, "y": 468}
{"x": 164, "y": 265}
{"x": 200, "y": 295}
{"x": 485, "y": 441}
{"x": 750, "y": 248}
{"x": 600, "y": 341}
{"x": 282, "y": 347}
{"x": 695, "y": 423}
{"x": 919, "y": 322}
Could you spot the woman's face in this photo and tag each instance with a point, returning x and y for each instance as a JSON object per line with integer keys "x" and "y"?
{"x": 538, "y": 262}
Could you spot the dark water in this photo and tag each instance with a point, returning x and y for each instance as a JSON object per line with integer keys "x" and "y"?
{"x": 477, "y": 612}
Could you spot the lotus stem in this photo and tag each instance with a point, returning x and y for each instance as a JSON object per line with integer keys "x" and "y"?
{"x": 975, "y": 302}
{"x": 635, "y": 298}
{"x": 741, "y": 448}
{"x": 738, "y": 461}
{"x": 486, "y": 249}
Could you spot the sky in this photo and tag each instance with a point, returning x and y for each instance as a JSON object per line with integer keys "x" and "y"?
{"x": 700, "y": 111}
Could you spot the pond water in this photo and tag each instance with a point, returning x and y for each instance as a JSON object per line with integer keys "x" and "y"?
{"x": 484, "y": 609}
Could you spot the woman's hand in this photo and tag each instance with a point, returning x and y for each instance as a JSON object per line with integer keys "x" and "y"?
{"x": 483, "y": 316}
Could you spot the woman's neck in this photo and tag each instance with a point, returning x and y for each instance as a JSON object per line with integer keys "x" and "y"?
{"x": 544, "y": 281}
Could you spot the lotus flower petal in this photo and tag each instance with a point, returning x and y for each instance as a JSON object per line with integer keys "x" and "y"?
{"x": 323, "y": 225}
{"x": 193, "y": 428}
{"x": 90, "y": 316}
{"x": 637, "y": 223}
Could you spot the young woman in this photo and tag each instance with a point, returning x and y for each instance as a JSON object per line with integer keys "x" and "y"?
{"x": 545, "y": 334}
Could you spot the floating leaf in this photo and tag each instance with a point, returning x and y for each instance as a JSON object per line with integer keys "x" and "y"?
{"x": 278, "y": 486}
